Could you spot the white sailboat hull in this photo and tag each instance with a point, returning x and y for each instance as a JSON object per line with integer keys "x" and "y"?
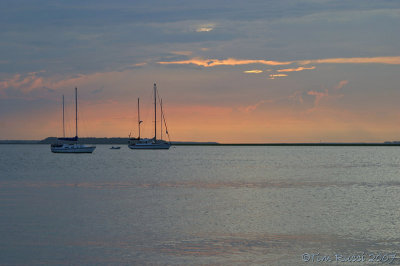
{"x": 74, "y": 148}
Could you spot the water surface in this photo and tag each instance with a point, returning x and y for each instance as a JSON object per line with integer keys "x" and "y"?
{"x": 197, "y": 205}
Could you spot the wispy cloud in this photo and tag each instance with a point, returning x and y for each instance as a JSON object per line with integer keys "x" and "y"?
{"x": 318, "y": 95}
{"x": 273, "y": 76}
{"x": 25, "y": 83}
{"x": 187, "y": 53}
{"x": 225, "y": 62}
{"x": 341, "y": 84}
{"x": 311, "y": 99}
{"x": 328, "y": 94}
{"x": 252, "y": 107}
{"x": 254, "y": 71}
{"x": 391, "y": 60}
{"x": 205, "y": 27}
{"x": 140, "y": 64}
{"x": 295, "y": 69}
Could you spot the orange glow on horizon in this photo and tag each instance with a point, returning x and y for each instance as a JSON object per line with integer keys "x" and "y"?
{"x": 221, "y": 124}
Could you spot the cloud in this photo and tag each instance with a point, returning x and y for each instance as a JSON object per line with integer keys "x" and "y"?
{"x": 140, "y": 64}
{"x": 273, "y": 76}
{"x": 295, "y": 69}
{"x": 252, "y": 107}
{"x": 390, "y": 60}
{"x": 205, "y": 28}
{"x": 225, "y": 62}
{"x": 254, "y": 71}
{"x": 310, "y": 100}
{"x": 302, "y": 98}
{"x": 107, "y": 36}
{"x": 24, "y": 84}
{"x": 186, "y": 53}
{"x": 341, "y": 84}
{"x": 318, "y": 95}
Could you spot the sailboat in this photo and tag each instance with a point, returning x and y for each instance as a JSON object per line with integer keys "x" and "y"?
{"x": 71, "y": 145}
{"x": 153, "y": 143}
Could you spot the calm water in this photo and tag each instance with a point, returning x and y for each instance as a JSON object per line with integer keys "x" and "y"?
{"x": 198, "y": 205}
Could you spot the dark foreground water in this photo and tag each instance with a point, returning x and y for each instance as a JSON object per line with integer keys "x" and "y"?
{"x": 200, "y": 205}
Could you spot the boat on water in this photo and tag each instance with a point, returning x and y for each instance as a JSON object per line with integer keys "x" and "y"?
{"x": 71, "y": 145}
{"x": 115, "y": 148}
{"x": 151, "y": 143}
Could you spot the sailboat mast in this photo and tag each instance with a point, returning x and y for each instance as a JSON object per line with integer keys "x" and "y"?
{"x": 161, "y": 119}
{"x": 63, "y": 118}
{"x": 138, "y": 115}
{"x": 76, "y": 111}
{"x": 155, "y": 112}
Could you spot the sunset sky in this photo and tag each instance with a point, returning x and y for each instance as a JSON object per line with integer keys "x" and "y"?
{"x": 228, "y": 71}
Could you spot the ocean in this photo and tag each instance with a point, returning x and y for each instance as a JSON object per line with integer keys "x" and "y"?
{"x": 200, "y": 205}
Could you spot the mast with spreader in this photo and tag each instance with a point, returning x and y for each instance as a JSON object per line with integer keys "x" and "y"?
{"x": 76, "y": 113}
{"x": 139, "y": 121}
{"x": 161, "y": 119}
{"x": 63, "y": 117}
{"x": 155, "y": 112}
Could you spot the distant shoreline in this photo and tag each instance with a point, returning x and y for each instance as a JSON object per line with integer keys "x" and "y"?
{"x": 124, "y": 141}
{"x": 292, "y": 144}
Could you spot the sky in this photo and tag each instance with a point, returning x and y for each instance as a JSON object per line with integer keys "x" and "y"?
{"x": 227, "y": 71}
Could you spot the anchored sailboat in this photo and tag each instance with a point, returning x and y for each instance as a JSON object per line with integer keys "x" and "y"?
{"x": 71, "y": 145}
{"x": 153, "y": 143}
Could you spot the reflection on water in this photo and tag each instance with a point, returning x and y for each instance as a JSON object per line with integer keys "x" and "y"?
{"x": 282, "y": 249}
{"x": 197, "y": 205}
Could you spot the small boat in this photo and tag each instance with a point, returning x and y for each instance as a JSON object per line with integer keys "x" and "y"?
{"x": 115, "y": 148}
{"x": 71, "y": 145}
{"x": 153, "y": 143}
